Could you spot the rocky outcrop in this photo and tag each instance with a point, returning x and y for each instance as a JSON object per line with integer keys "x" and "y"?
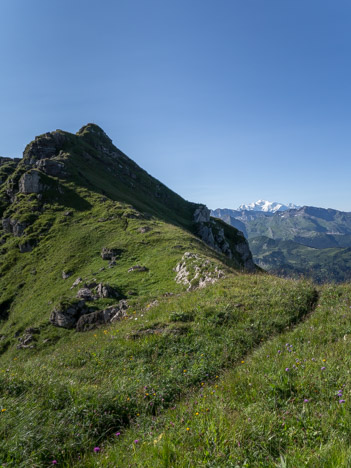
{"x": 202, "y": 214}
{"x": 12, "y": 226}
{"x": 137, "y": 268}
{"x": 85, "y": 294}
{"x": 67, "y": 313}
{"x": 106, "y": 291}
{"x": 30, "y": 182}
{"x": 102, "y": 317}
{"x": 246, "y": 255}
{"x": 212, "y": 233}
{"x": 196, "y": 272}
{"x": 109, "y": 254}
{"x": 52, "y": 167}
{"x": 44, "y": 146}
{"x": 27, "y": 246}
{"x": 28, "y": 338}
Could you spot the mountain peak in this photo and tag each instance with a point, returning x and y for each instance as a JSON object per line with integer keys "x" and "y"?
{"x": 267, "y": 206}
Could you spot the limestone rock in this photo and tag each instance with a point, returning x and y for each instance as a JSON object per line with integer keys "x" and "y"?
{"x": 27, "y": 338}
{"x": 202, "y": 214}
{"x": 109, "y": 254}
{"x": 111, "y": 314}
{"x": 51, "y": 167}
{"x": 106, "y": 291}
{"x": 67, "y": 313}
{"x": 13, "y": 226}
{"x": 30, "y": 182}
{"x": 66, "y": 274}
{"x": 76, "y": 282}
{"x": 44, "y": 146}
{"x": 137, "y": 268}
{"x": 196, "y": 272}
{"x": 144, "y": 229}
{"x": 244, "y": 250}
{"x": 85, "y": 294}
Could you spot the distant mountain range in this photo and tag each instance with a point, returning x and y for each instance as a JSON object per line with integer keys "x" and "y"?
{"x": 305, "y": 240}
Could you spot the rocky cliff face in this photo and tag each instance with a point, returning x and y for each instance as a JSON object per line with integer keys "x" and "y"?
{"x": 213, "y": 234}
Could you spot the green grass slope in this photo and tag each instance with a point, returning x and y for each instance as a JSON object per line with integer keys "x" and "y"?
{"x": 285, "y": 405}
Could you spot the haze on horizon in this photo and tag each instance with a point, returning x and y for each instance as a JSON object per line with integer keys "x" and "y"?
{"x": 225, "y": 102}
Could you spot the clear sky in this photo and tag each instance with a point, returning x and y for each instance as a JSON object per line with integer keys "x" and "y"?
{"x": 224, "y": 101}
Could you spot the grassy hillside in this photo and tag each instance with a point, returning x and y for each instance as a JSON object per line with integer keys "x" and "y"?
{"x": 285, "y": 405}
{"x": 68, "y": 202}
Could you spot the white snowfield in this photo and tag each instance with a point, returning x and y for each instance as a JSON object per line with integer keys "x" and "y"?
{"x": 267, "y": 206}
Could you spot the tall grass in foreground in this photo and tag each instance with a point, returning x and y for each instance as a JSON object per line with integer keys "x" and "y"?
{"x": 287, "y": 405}
{"x": 75, "y": 397}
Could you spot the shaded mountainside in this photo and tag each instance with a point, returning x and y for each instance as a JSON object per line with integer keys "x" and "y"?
{"x": 311, "y": 241}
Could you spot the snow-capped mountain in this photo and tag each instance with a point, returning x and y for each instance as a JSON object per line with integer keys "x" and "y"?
{"x": 268, "y": 207}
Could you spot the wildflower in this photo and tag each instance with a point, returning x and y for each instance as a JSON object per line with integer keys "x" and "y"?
{"x": 96, "y": 449}
{"x": 341, "y": 401}
{"x": 323, "y": 368}
{"x": 242, "y": 362}
{"x": 136, "y": 441}
{"x": 188, "y": 428}
{"x": 3, "y": 410}
{"x": 287, "y": 369}
{"x": 306, "y": 400}
{"x": 117, "y": 434}
{"x": 279, "y": 351}
{"x": 196, "y": 414}
{"x": 324, "y": 360}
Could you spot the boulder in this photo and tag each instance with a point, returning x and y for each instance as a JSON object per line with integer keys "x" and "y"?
{"x": 27, "y": 338}
{"x": 109, "y": 254}
{"x": 67, "y": 313}
{"x": 102, "y": 317}
{"x": 106, "y": 291}
{"x": 85, "y": 294}
{"x": 137, "y": 268}
{"x": 76, "y": 282}
{"x": 66, "y": 274}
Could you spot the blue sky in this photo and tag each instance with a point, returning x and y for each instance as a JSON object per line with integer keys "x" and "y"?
{"x": 224, "y": 101}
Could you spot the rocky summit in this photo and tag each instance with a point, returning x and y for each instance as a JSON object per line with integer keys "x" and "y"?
{"x": 80, "y": 223}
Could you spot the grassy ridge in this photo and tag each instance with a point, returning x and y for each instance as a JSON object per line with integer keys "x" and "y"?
{"x": 287, "y": 405}
{"x": 64, "y": 400}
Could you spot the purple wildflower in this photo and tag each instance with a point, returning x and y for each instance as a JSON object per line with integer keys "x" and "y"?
{"x": 306, "y": 400}
{"x": 96, "y": 449}
{"x": 136, "y": 441}
{"x": 323, "y": 368}
{"x": 287, "y": 369}
{"x": 117, "y": 434}
{"x": 341, "y": 401}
